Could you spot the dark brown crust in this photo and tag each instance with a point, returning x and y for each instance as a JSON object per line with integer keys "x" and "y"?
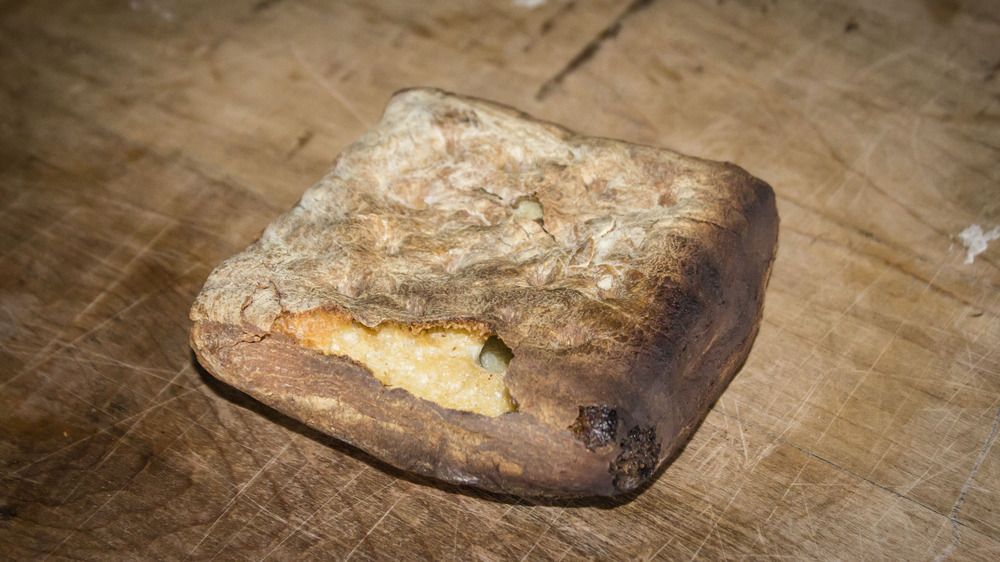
{"x": 512, "y": 453}
{"x": 666, "y": 346}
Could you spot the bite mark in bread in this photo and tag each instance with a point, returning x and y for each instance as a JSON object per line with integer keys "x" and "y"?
{"x": 449, "y": 365}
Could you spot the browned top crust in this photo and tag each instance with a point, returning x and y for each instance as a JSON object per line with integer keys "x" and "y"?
{"x": 635, "y": 298}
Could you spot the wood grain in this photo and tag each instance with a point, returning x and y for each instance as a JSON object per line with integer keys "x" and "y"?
{"x": 142, "y": 142}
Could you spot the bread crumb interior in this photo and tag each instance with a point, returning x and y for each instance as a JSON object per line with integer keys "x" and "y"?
{"x": 451, "y": 366}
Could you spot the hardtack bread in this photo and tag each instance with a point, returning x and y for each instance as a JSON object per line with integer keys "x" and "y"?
{"x": 627, "y": 281}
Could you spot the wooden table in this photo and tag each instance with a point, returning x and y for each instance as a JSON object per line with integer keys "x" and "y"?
{"x": 144, "y": 141}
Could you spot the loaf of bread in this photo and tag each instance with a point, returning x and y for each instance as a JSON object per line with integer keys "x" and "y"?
{"x": 493, "y": 300}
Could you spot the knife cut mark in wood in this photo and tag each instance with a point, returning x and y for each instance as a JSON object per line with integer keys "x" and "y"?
{"x": 239, "y": 493}
{"x": 975, "y": 468}
{"x": 262, "y": 508}
{"x": 298, "y": 528}
{"x": 542, "y": 534}
{"x": 57, "y": 344}
{"x": 321, "y": 81}
{"x": 391, "y": 507}
{"x": 591, "y": 48}
{"x": 130, "y": 480}
{"x": 901, "y": 495}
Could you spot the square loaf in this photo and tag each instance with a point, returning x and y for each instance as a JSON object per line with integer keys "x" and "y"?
{"x": 493, "y": 300}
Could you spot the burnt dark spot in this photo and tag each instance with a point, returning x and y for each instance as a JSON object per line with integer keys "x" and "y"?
{"x": 596, "y": 426}
{"x": 679, "y": 304}
{"x": 7, "y": 512}
{"x": 851, "y": 25}
{"x": 637, "y": 461}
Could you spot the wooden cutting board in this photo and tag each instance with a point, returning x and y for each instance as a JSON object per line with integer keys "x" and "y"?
{"x": 144, "y": 141}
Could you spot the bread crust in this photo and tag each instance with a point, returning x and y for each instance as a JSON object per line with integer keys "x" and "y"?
{"x": 629, "y": 306}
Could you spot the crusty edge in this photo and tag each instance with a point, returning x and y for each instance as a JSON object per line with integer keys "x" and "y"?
{"x": 513, "y": 453}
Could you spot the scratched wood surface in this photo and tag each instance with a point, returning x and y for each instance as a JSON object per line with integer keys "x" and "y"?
{"x": 144, "y": 141}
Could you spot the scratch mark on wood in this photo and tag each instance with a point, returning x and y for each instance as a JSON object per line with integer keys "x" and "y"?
{"x": 115, "y": 495}
{"x": 975, "y": 468}
{"x": 471, "y": 512}
{"x": 659, "y": 550}
{"x": 991, "y": 406}
{"x": 564, "y": 553}
{"x": 788, "y": 488}
{"x": 380, "y": 519}
{"x": 30, "y": 238}
{"x": 216, "y": 434}
{"x": 238, "y": 495}
{"x": 102, "y": 360}
{"x": 512, "y": 506}
{"x": 816, "y": 383}
{"x": 899, "y": 267}
{"x": 861, "y": 381}
{"x": 326, "y": 85}
{"x": 591, "y": 48}
{"x": 809, "y": 519}
{"x": 542, "y": 534}
{"x": 952, "y": 545}
{"x": 56, "y": 345}
{"x": 124, "y": 270}
{"x": 121, "y": 439}
{"x": 840, "y": 318}
{"x": 454, "y": 537}
{"x": 262, "y": 508}
{"x": 941, "y": 527}
{"x": 882, "y": 458}
{"x": 717, "y": 518}
{"x": 313, "y": 514}
{"x": 15, "y": 472}
{"x": 853, "y": 474}
{"x": 364, "y": 500}
{"x": 743, "y": 439}
{"x": 986, "y": 447}
{"x": 96, "y": 511}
